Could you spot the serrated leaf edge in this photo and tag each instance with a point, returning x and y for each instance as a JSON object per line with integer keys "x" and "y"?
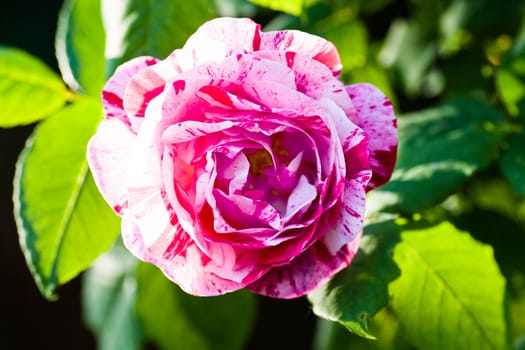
{"x": 446, "y": 286}
{"x": 47, "y": 287}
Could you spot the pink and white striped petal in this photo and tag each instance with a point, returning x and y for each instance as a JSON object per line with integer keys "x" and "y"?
{"x": 108, "y": 157}
{"x": 114, "y": 90}
{"x": 349, "y": 221}
{"x": 375, "y": 115}
{"x": 312, "y": 268}
{"x": 306, "y": 44}
{"x": 313, "y": 78}
{"x": 144, "y": 180}
{"x": 181, "y": 261}
{"x": 230, "y": 34}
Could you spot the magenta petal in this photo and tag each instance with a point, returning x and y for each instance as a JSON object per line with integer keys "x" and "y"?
{"x": 233, "y": 212}
{"x": 308, "y": 271}
{"x": 216, "y": 96}
{"x": 190, "y": 130}
{"x": 108, "y": 156}
{"x": 306, "y": 44}
{"x": 232, "y": 174}
{"x": 375, "y": 116}
{"x": 300, "y": 198}
{"x": 113, "y": 92}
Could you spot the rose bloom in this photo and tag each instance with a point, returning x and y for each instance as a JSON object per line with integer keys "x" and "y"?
{"x": 241, "y": 160}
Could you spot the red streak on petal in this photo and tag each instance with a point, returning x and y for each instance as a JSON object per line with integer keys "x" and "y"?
{"x": 278, "y": 38}
{"x": 217, "y": 94}
{"x": 290, "y": 57}
{"x": 112, "y": 99}
{"x": 178, "y": 245}
{"x": 148, "y": 96}
{"x": 257, "y": 38}
{"x": 387, "y": 158}
{"x": 179, "y": 85}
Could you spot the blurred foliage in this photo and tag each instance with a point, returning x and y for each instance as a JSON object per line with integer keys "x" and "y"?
{"x": 441, "y": 265}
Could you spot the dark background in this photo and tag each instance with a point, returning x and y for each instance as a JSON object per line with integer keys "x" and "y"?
{"x": 27, "y": 320}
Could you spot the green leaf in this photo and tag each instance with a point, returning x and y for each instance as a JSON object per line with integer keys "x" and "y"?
{"x": 511, "y": 89}
{"x": 517, "y": 309}
{"x": 512, "y": 162}
{"x": 510, "y": 76}
{"x": 62, "y": 220}
{"x": 411, "y": 55}
{"x": 176, "y": 320}
{"x": 293, "y": 7}
{"x": 451, "y": 294}
{"x": 357, "y": 293}
{"x": 439, "y": 149}
{"x": 333, "y": 336}
{"x": 29, "y": 90}
{"x": 353, "y": 52}
{"x": 520, "y": 343}
{"x": 155, "y": 28}
{"x": 109, "y": 293}
{"x": 80, "y": 42}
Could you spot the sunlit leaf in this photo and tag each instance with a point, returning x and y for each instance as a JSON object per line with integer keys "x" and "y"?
{"x": 351, "y": 40}
{"x": 155, "y": 28}
{"x": 63, "y": 222}
{"x": 29, "y": 90}
{"x": 450, "y": 294}
{"x": 439, "y": 149}
{"x": 508, "y": 244}
{"x": 357, "y": 293}
{"x": 293, "y": 7}
{"x": 80, "y": 42}
{"x": 109, "y": 293}
{"x": 175, "y": 320}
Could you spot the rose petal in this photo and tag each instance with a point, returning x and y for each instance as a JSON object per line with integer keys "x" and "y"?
{"x": 114, "y": 90}
{"x": 375, "y": 116}
{"x": 190, "y": 130}
{"x": 313, "y": 78}
{"x": 219, "y": 97}
{"x": 232, "y": 172}
{"x": 309, "y": 270}
{"x": 230, "y": 34}
{"x": 300, "y": 198}
{"x": 108, "y": 156}
{"x": 307, "y": 44}
{"x": 234, "y": 212}
{"x": 182, "y": 261}
{"x": 349, "y": 221}
{"x": 147, "y": 199}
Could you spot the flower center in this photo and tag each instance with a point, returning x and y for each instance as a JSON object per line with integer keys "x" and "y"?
{"x": 259, "y": 160}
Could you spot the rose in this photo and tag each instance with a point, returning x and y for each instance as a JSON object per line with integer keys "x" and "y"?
{"x": 241, "y": 160}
